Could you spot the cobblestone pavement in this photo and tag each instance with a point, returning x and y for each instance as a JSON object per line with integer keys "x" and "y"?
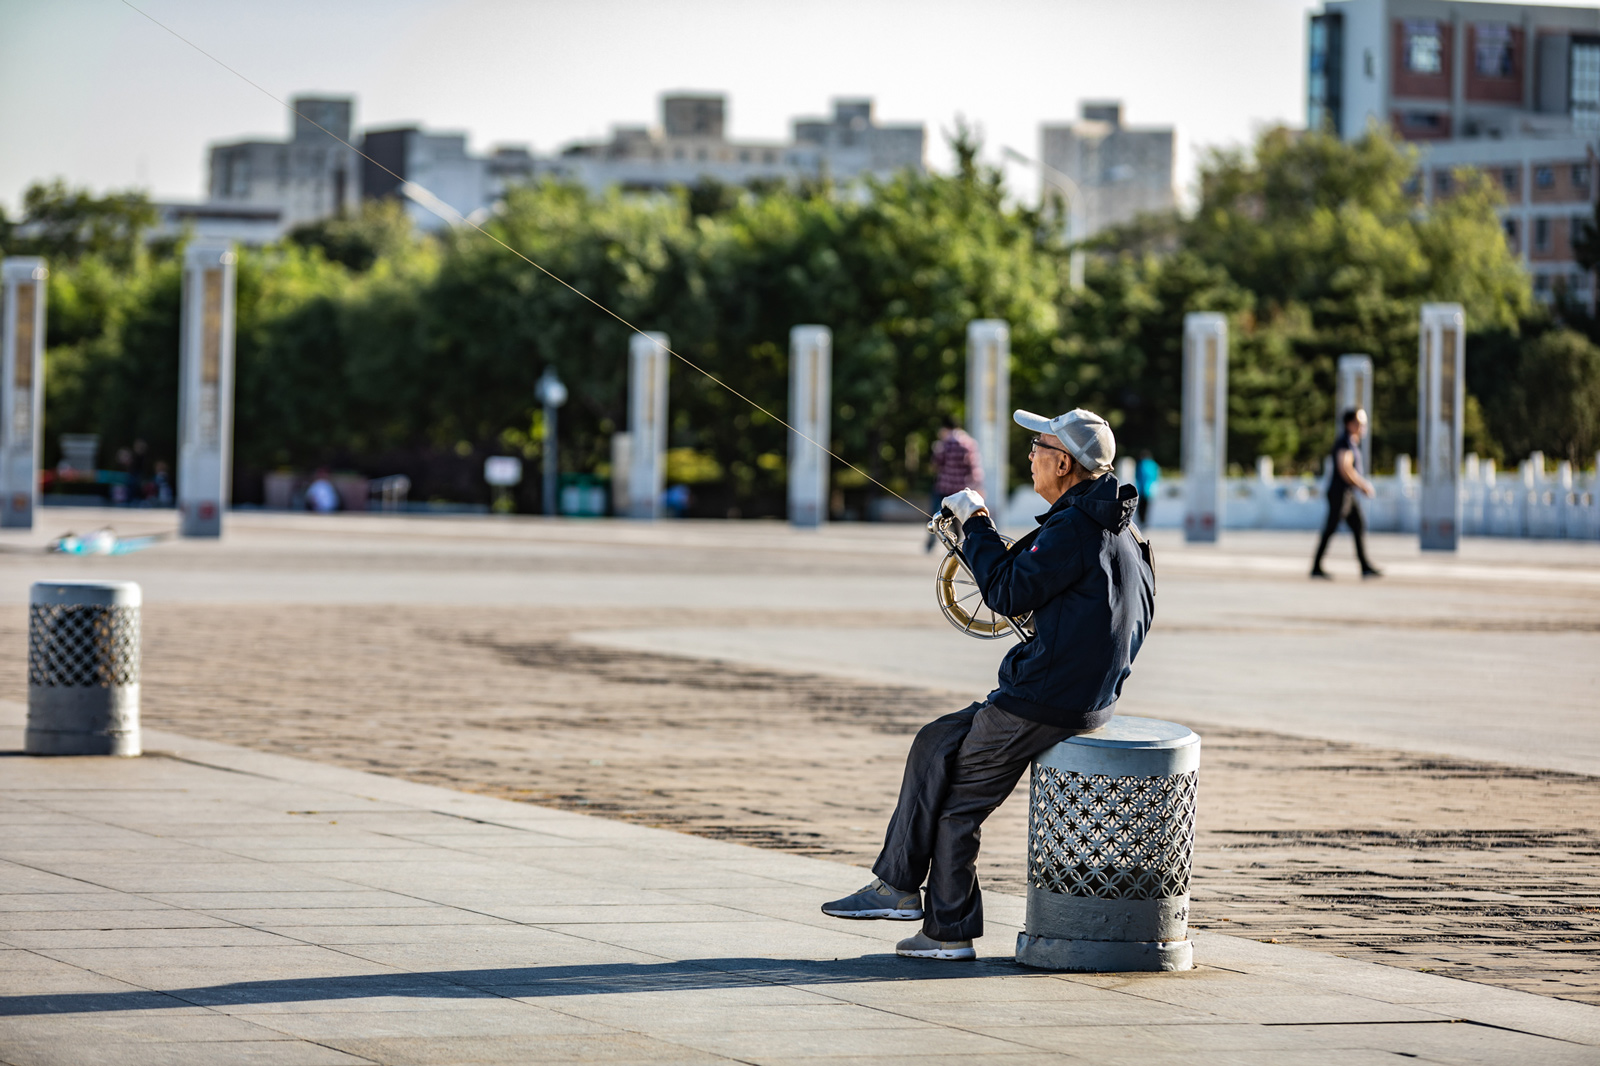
{"x": 1478, "y": 871}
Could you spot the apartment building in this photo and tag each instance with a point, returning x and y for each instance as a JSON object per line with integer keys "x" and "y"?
{"x": 308, "y": 177}
{"x": 1512, "y": 90}
{"x": 692, "y": 145}
{"x": 1119, "y": 171}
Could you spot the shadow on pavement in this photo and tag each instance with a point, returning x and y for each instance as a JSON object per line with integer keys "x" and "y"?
{"x": 530, "y": 982}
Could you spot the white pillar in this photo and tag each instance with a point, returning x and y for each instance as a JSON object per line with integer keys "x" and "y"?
{"x": 1205, "y": 423}
{"x": 205, "y": 389}
{"x": 647, "y": 422}
{"x": 1441, "y": 365}
{"x": 1355, "y": 390}
{"x": 22, "y": 324}
{"x": 810, "y": 401}
{"x": 989, "y": 401}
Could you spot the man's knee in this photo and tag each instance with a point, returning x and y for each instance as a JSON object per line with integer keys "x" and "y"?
{"x": 945, "y": 733}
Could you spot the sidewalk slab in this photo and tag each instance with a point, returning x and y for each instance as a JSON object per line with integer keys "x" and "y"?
{"x": 207, "y": 903}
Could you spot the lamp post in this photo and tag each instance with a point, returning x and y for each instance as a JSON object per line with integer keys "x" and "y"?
{"x": 552, "y": 394}
{"x": 1077, "y": 219}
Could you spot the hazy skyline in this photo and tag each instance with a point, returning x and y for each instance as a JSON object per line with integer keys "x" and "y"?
{"x": 95, "y": 93}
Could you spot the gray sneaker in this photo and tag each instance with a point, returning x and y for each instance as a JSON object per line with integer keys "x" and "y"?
{"x": 878, "y": 900}
{"x": 922, "y": 946}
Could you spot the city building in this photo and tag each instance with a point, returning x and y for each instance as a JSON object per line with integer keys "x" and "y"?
{"x": 441, "y": 164}
{"x": 1511, "y": 90}
{"x": 242, "y": 223}
{"x": 309, "y": 177}
{"x": 1117, "y": 172}
{"x": 691, "y": 146}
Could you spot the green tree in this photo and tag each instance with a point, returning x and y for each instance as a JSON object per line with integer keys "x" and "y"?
{"x": 65, "y": 225}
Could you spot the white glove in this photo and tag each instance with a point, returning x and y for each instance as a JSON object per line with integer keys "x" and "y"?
{"x": 963, "y": 504}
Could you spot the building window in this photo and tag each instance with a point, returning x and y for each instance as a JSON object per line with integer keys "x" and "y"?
{"x": 1575, "y": 228}
{"x": 1544, "y": 177}
{"x": 1508, "y": 178}
{"x": 1585, "y": 74}
{"x": 1424, "y": 47}
{"x": 744, "y": 155}
{"x": 1580, "y": 175}
{"x": 1491, "y": 55}
{"x": 770, "y": 157}
{"x": 1413, "y": 185}
{"x": 1541, "y": 283}
{"x": 1441, "y": 182}
{"x": 1510, "y": 226}
{"x": 1324, "y": 86}
{"x": 677, "y": 153}
{"x": 1541, "y": 234}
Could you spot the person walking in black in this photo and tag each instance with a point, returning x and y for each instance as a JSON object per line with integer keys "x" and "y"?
{"x": 1346, "y": 481}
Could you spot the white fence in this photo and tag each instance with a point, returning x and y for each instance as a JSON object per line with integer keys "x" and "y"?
{"x": 1527, "y": 502}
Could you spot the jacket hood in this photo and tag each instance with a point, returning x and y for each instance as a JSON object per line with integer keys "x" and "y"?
{"x": 1106, "y": 501}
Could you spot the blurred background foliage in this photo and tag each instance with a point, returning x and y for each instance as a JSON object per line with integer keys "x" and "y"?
{"x": 363, "y": 345}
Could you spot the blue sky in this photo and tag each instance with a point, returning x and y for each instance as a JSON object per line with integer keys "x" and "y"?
{"x": 92, "y": 92}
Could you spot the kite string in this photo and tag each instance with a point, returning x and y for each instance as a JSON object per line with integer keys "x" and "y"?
{"x": 463, "y": 219}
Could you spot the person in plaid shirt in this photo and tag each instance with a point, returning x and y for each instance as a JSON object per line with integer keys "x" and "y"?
{"x": 955, "y": 465}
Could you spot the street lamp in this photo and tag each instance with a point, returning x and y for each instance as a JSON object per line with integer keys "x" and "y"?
{"x": 1077, "y": 219}
{"x": 552, "y": 394}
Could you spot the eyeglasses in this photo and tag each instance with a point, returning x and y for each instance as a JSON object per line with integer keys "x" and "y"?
{"x": 1038, "y": 442}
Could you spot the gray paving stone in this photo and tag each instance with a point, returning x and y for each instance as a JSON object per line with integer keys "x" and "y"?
{"x": 862, "y": 1044}
{"x": 460, "y": 1018}
{"x": 285, "y": 1052}
{"x": 173, "y": 1025}
{"x": 111, "y": 936}
{"x": 439, "y": 1051}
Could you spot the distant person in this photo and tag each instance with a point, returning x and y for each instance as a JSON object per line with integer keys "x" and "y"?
{"x": 119, "y": 489}
{"x": 1146, "y": 476}
{"x": 321, "y": 496}
{"x": 161, "y": 485}
{"x": 956, "y": 465}
{"x": 1346, "y": 481}
{"x": 138, "y": 461}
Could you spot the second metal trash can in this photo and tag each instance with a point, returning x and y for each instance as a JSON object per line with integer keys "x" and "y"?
{"x": 83, "y": 668}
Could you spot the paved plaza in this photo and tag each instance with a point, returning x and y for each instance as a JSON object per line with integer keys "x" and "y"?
{"x": 365, "y": 830}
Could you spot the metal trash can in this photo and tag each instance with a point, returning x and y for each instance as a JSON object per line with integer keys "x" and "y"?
{"x": 1111, "y": 850}
{"x": 83, "y": 668}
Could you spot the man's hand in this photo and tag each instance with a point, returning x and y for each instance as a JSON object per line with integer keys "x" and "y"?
{"x": 964, "y": 505}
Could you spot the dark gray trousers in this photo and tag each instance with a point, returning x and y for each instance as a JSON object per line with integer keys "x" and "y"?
{"x": 960, "y": 768}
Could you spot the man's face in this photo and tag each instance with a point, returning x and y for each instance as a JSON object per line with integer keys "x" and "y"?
{"x": 1050, "y": 466}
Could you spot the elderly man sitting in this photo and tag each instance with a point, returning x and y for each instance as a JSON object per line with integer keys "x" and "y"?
{"x": 1085, "y": 575}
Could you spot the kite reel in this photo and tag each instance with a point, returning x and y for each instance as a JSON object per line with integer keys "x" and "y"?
{"x": 958, "y": 595}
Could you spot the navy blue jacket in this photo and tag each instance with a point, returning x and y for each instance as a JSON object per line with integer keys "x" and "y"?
{"x": 1092, "y": 594}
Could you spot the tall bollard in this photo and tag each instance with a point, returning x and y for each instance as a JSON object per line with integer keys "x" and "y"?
{"x": 810, "y": 404}
{"x": 1111, "y": 850}
{"x": 83, "y": 668}
{"x": 1205, "y": 424}
{"x": 205, "y": 389}
{"x": 22, "y": 335}
{"x": 1441, "y": 406}
{"x": 647, "y": 423}
{"x": 989, "y": 400}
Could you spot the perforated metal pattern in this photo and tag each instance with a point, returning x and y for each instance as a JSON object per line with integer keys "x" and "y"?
{"x": 83, "y": 646}
{"x": 1111, "y": 837}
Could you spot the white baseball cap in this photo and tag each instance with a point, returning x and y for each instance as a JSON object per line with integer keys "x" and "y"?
{"x": 1086, "y": 436}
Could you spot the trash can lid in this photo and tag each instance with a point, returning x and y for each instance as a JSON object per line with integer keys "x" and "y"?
{"x": 1126, "y": 731}
{"x": 87, "y": 593}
